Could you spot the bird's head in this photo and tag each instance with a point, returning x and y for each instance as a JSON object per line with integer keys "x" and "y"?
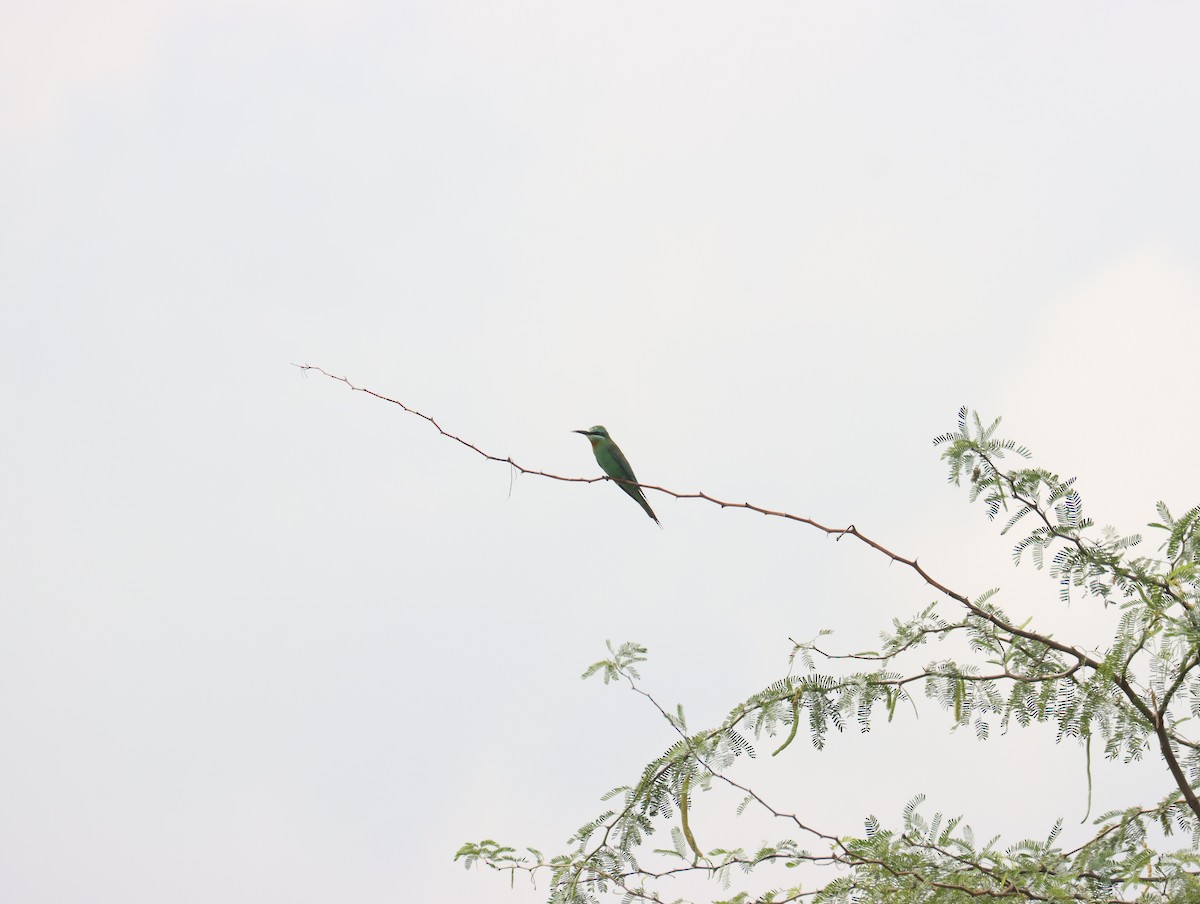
{"x": 595, "y": 434}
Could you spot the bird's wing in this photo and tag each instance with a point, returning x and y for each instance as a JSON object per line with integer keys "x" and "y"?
{"x": 622, "y": 464}
{"x": 622, "y": 470}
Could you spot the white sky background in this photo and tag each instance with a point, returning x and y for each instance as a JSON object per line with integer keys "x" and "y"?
{"x": 262, "y": 639}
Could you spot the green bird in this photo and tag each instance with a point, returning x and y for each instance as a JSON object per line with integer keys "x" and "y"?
{"x": 615, "y": 465}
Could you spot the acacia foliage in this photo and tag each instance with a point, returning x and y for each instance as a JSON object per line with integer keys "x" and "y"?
{"x": 1137, "y": 696}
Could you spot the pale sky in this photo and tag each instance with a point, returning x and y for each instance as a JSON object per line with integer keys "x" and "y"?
{"x": 263, "y": 639}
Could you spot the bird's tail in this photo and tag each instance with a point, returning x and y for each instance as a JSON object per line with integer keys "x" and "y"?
{"x": 639, "y": 497}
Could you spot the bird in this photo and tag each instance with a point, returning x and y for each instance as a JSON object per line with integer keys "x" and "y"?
{"x": 616, "y": 465}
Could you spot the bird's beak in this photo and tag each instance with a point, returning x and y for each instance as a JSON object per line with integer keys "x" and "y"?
{"x": 584, "y": 432}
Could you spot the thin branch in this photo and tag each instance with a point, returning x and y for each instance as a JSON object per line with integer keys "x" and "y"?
{"x": 849, "y": 530}
{"x": 1065, "y": 672}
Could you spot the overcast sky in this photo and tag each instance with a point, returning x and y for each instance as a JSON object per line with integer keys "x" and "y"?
{"x": 265, "y": 639}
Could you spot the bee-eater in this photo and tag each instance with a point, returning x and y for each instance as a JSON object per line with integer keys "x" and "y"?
{"x": 615, "y": 465}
